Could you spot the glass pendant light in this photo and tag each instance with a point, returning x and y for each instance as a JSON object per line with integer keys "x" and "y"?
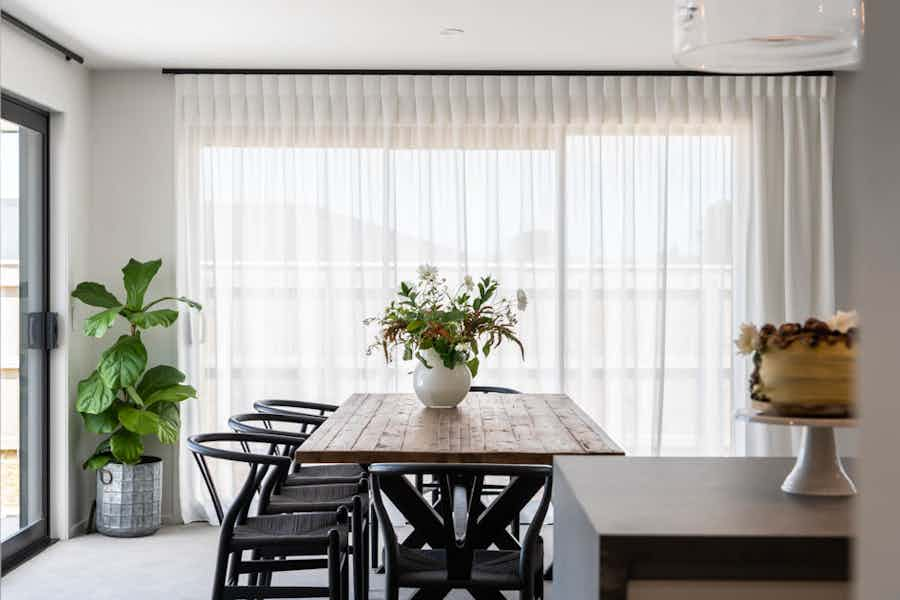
{"x": 768, "y": 36}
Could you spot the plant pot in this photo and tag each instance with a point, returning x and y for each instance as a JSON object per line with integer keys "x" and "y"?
{"x": 129, "y": 498}
{"x": 440, "y": 387}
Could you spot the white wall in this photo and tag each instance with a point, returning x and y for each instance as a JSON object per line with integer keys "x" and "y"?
{"x": 41, "y": 75}
{"x": 132, "y": 170}
{"x": 867, "y": 185}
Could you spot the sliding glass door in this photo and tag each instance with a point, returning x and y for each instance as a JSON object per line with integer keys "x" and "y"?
{"x": 25, "y": 328}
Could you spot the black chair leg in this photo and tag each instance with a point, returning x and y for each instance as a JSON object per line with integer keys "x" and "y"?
{"x": 218, "y": 591}
{"x": 373, "y": 525}
{"x": 334, "y": 567}
{"x": 358, "y": 549}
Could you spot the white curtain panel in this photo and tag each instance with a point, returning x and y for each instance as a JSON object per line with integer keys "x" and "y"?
{"x": 644, "y": 216}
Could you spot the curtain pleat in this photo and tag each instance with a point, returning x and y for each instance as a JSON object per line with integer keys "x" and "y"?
{"x": 645, "y": 216}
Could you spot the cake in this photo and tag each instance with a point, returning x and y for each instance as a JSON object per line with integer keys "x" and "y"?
{"x": 803, "y": 370}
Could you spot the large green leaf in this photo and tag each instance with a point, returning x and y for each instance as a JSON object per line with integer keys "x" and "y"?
{"x": 137, "y": 279}
{"x": 97, "y": 325}
{"x": 97, "y": 461}
{"x": 157, "y": 378}
{"x": 123, "y": 362}
{"x": 105, "y": 422}
{"x": 100, "y": 457}
{"x": 95, "y": 294}
{"x": 187, "y": 301}
{"x": 139, "y": 421}
{"x": 154, "y": 318}
{"x": 169, "y": 421}
{"x": 126, "y": 446}
{"x": 173, "y": 393}
{"x": 94, "y": 396}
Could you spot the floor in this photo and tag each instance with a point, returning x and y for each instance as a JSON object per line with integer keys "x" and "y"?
{"x": 174, "y": 564}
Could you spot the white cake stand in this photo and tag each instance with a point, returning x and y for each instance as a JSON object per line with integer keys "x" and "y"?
{"x": 818, "y": 470}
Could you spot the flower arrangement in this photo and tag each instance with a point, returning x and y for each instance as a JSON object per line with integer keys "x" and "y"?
{"x": 457, "y": 325}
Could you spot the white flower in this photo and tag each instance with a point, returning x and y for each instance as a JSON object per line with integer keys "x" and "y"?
{"x": 469, "y": 282}
{"x": 748, "y": 341}
{"x": 843, "y": 321}
{"x": 522, "y": 299}
{"x": 427, "y": 272}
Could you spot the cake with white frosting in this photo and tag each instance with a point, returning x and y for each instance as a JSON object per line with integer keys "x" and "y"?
{"x": 804, "y": 369}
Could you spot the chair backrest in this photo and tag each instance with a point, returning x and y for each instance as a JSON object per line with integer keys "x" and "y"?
{"x": 489, "y": 389}
{"x": 463, "y": 484}
{"x": 200, "y": 446}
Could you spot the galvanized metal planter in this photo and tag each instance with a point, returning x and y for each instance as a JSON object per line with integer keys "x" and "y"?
{"x": 129, "y": 498}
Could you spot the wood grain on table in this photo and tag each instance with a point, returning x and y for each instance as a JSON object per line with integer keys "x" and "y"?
{"x": 484, "y": 428}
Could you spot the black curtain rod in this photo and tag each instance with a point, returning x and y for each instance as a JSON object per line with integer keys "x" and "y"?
{"x": 526, "y": 73}
{"x": 28, "y": 29}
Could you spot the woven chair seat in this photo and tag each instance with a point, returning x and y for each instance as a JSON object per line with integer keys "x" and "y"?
{"x": 314, "y": 498}
{"x": 491, "y": 568}
{"x": 285, "y": 531}
{"x": 325, "y": 474}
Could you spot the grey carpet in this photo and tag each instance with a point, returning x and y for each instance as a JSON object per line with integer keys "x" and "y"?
{"x": 174, "y": 564}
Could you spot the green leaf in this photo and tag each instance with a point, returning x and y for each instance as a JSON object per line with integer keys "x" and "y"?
{"x": 173, "y": 393}
{"x": 126, "y": 446}
{"x": 94, "y": 396}
{"x": 415, "y": 326}
{"x": 139, "y": 421}
{"x": 95, "y": 294}
{"x": 473, "y": 366}
{"x": 187, "y": 301}
{"x": 169, "y": 421}
{"x": 154, "y": 318}
{"x": 137, "y": 277}
{"x": 157, "y": 378}
{"x": 97, "y": 461}
{"x": 407, "y": 352}
{"x": 123, "y": 362}
{"x": 487, "y": 348}
{"x": 134, "y": 397}
{"x": 97, "y": 325}
{"x": 105, "y": 422}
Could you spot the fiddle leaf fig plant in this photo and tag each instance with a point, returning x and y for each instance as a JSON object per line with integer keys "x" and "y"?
{"x": 122, "y": 399}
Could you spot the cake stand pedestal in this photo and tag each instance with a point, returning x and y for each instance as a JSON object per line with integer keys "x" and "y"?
{"x": 818, "y": 470}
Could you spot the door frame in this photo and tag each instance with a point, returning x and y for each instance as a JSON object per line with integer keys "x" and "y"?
{"x": 34, "y": 538}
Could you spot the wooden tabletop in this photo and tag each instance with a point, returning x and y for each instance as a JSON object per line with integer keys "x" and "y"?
{"x": 484, "y": 428}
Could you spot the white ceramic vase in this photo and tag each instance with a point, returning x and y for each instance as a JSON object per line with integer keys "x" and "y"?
{"x": 440, "y": 387}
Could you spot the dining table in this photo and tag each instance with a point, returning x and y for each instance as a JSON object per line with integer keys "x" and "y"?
{"x": 490, "y": 428}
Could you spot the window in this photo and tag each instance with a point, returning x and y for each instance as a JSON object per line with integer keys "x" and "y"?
{"x": 623, "y": 242}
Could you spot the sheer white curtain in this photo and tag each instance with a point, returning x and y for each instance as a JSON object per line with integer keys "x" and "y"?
{"x": 645, "y": 216}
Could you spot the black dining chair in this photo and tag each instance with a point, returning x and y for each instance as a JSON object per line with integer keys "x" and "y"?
{"x": 328, "y": 488}
{"x": 462, "y": 560}
{"x": 277, "y": 543}
{"x": 490, "y": 489}
{"x": 295, "y": 407}
{"x": 297, "y": 425}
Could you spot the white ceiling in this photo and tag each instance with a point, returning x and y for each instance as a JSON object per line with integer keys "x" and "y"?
{"x": 389, "y": 34}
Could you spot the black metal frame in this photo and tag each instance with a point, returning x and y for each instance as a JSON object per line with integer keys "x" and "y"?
{"x": 34, "y": 538}
{"x": 29, "y": 30}
{"x": 271, "y": 554}
{"x": 461, "y": 524}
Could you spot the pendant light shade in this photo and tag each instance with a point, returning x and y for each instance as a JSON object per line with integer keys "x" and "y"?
{"x": 768, "y": 36}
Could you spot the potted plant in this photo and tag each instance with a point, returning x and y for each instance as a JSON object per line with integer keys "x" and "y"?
{"x": 446, "y": 332}
{"x": 124, "y": 401}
